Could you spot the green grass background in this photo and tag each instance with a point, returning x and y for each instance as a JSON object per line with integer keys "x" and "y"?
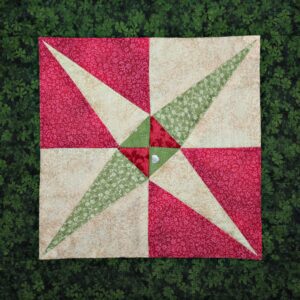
{"x": 23, "y": 276}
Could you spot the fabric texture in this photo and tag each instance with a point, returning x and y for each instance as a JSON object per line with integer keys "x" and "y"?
{"x": 148, "y": 133}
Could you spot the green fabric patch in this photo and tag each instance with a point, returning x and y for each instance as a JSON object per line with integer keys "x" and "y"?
{"x": 140, "y": 137}
{"x": 118, "y": 177}
{"x": 163, "y": 154}
{"x": 181, "y": 115}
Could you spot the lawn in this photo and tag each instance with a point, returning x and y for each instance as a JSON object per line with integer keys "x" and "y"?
{"x": 23, "y": 276}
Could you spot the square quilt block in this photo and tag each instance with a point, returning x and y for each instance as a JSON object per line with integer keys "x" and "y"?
{"x": 150, "y": 147}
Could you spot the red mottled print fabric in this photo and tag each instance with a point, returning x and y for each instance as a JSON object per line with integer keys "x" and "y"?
{"x": 122, "y": 64}
{"x": 67, "y": 120}
{"x": 175, "y": 230}
{"x": 159, "y": 137}
{"x": 139, "y": 157}
{"x": 233, "y": 175}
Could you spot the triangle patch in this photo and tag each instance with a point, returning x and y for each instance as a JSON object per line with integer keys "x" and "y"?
{"x": 139, "y": 157}
{"x": 159, "y": 137}
{"x": 175, "y": 230}
{"x": 140, "y": 137}
{"x": 233, "y": 175}
{"x": 121, "y": 63}
{"x": 158, "y": 156}
{"x": 67, "y": 119}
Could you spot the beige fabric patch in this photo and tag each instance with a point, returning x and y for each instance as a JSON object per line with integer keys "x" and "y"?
{"x": 120, "y": 230}
{"x": 178, "y": 63}
{"x": 233, "y": 120}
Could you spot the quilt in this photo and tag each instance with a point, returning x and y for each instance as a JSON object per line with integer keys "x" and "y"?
{"x": 150, "y": 147}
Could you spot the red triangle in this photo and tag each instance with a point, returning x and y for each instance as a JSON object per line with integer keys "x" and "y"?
{"x": 121, "y": 63}
{"x": 233, "y": 175}
{"x": 67, "y": 120}
{"x": 159, "y": 137}
{"x": 139, "y": 157}
{"x": 175, "y": 230}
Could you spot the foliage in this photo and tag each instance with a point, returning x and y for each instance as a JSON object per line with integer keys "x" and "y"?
{"x": 23, "y": 276}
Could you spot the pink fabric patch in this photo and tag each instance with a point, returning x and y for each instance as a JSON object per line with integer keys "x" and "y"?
{"x": 121, "y": 63}
{"x": 139, "y": 157}
{"x": 67, "y": 120}
{"x": 233, "y": 175}
{"x": 175, "y": 230}
{"x": 159, "y": 137}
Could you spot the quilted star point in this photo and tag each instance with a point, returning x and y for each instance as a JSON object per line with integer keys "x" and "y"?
{"x": 181, "y": 182}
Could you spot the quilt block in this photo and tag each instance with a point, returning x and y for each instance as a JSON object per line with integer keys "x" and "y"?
{"x": 150, "y": 147}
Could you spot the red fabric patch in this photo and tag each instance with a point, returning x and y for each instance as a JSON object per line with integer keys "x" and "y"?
{"x": 139, "y": 157}
{"x": 175, "y": 230}
{"x": 159, "y": 137}
{"x": 234, "y": 178}
{"x": 121, "y": 63}
{"x": 67, "y": 120}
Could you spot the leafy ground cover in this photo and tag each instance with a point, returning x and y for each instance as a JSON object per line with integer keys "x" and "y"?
{"x": 23, "y": 276}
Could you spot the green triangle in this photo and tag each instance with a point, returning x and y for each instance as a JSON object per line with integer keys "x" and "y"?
{"x": 163, "y": 154}
{"x": 140, "y": 137}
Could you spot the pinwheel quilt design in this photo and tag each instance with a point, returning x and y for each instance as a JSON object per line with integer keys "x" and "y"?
{"x": 150, "y": 147}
